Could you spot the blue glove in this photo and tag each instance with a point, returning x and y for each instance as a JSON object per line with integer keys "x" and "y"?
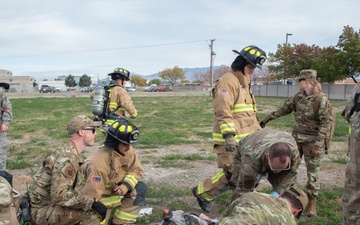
{"x": 275, "y": 194}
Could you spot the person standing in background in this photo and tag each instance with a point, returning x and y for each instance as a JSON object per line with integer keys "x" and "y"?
{"x": 6, "y": 117}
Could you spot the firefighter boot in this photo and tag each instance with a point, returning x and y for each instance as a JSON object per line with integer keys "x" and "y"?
{"x": 312, "y": 207}
{"x": 204, "y": 205}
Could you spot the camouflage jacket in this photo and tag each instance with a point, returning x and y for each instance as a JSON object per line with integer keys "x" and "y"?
{"x": 258, "y": 208}
{"x": 7, "y": 209}
{"x": 250, "y": 158}
{"x": 106, "y": 169}
{"x": 309, "y": 126}
{"x": 56, "y": 179}
{"x": 6, "y": 108}
{"x": 234, "y": 107}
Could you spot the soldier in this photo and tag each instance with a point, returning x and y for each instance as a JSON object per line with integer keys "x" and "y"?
{"x": 351, "y": 196}
{"x": 234, "y": 118}
{"x": 114, "y": 173}
{"x": 311, "y": 130}
{"x": 119, "y": 99}
{"x": 265, "y": 153}
{"x": 261, "y": 208}
{"x": 7, "y": 209}
{"x": 52, "y": 195}
{"x": 5, "y": 118}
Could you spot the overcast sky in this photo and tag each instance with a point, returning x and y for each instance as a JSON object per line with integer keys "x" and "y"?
{"x": 45, "y": 38}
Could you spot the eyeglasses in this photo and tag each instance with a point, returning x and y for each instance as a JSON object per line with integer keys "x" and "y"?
{"x": 274, "y": 169}
{"x": 93, "y": 129}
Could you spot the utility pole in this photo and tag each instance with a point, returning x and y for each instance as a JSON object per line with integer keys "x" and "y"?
{"x": 212, "y": 56}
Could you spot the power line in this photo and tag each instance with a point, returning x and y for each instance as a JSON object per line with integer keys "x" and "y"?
{"x": 104, "y": 50}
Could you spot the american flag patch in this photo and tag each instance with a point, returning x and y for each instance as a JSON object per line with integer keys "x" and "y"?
{"x": 95, "y": 180}
{"x": 223, "y": 91}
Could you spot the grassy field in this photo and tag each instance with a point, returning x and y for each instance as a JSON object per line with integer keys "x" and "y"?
{"x": 39, "y": 126}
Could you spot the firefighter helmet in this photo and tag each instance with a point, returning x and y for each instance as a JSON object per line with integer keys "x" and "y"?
{"x": 253, "y": 55}
{"x": 123, "y": 130}
{"x": 120, "y": 73}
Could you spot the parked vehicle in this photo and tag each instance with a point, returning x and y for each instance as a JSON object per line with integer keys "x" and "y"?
{"x": 162, "y": 88}
{"x": 49, "y": 89}
{"x": 130, "y": 89}
{"x": 86, "y": 89}
{"x": 151, "y": 88}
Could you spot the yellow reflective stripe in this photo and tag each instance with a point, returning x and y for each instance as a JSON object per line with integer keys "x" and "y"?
{"x": 349, "y": 129}
{"x": 134, "y": 115}
{"x": 107, "y": 186}
{"x": 243, "y": 107}
{"x": 200, "y": 191}
{"x": 103, "y": 222}
{"x": 217, "y": 176}
{"x": 111, "y": 200}
{"x": 124, "y": 216}
{"x": 227, "y": 127}
{"x": 218, "y": 137}
{"x": 131, "y": 180}
{"x": 113, "y": 105}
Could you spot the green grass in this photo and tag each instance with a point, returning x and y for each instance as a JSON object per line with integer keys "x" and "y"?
{"x": 39, "y": 127}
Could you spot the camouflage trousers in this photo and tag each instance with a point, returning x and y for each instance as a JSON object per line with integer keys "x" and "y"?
{"x": 58, "y": 215}
{"x": 2, "y": 151}
{"x": 217, "y": 184}
{"x": 351, "y": 196}
{"x": 312, "y": 162}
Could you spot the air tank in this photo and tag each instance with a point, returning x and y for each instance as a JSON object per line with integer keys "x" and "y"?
{"x": 98, "y": 102}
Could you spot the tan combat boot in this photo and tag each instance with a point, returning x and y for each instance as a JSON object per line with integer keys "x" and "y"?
{"x": 312, "y": 207}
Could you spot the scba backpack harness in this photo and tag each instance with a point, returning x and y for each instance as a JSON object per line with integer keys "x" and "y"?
{"x": 100, "y": 106}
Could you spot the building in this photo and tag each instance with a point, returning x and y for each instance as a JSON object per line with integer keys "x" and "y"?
{"x": 18, "y": 84}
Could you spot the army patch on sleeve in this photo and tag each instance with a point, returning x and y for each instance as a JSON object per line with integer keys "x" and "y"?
{"x": 70, "y": 172}
{"x": 96, "y": 179}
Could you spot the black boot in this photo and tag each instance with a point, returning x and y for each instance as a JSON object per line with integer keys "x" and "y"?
{"x": 204, "y": 205}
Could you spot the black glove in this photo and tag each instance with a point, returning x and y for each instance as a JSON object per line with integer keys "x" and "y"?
{"x": 100, "y": 209}
{"x": 263, "y": 122}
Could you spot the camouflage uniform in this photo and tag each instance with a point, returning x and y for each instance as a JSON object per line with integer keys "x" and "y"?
{"x": 258, "y": 208}
{"x": 106, "y": 169}
{"x": 311, "y": 130}
{"x": 119, "y": 102}
{"x": 6, "y": 117}
{"x": 250, "y": 162}
{"x": 52, "y": 196}
{"x": 234, "y": 113}
{"x": 351, "y": 197}
{"x": 7, "y": 211}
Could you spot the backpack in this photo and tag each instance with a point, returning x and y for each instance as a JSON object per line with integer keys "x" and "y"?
{"x": 100, "y": 106}
{"x": 331, "y": 110}
{"x": 178, "y": 217}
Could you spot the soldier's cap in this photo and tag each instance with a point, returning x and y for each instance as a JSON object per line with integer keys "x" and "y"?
{"x": 307, "y": 75}
{"x": 300, "y": 195}
{"x": 79, "y": 122}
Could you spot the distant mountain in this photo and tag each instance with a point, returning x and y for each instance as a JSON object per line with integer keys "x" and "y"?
{"x": 189, "y": 73}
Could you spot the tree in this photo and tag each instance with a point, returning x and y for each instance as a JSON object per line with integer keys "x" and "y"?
{"x": 155, "y": 81}
{"x": 70, "y": 81}
{"x": 85, "y": 81}
{"x": 172, "y": 75}
{"x": 349, "y": 44}
{"x": 138, "y": 80}
{"x": 203, "y": 77}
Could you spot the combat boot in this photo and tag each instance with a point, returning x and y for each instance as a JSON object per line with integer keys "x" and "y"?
{"x": 204, "y": 205}
{"x": 312, "y": 207}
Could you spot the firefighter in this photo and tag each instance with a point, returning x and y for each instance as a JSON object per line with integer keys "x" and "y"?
{"x": 234, "y": 118}
{"x": 114, "y": 172}
{"x": 119, "y": 99}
